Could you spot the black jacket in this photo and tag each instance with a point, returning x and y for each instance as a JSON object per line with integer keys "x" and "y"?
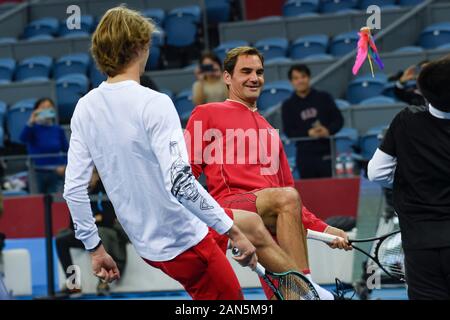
{"x": 299, "y": 115}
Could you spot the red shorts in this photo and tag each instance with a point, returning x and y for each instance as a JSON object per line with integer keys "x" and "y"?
{"x": 242, "y": 201}
{"x": 204, "y": 271}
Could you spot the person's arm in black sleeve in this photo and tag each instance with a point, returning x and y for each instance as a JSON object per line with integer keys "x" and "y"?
{"x": 334, "y": 115}
{"x": 293, "y": 126}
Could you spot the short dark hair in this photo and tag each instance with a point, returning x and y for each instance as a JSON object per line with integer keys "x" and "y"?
{"x": 433, "y": 83}
{"x": 41, "y": 100}
{"x": 302, "y": 68}
{"x": 212, "y": 56}
{"x": 234, "y": 54}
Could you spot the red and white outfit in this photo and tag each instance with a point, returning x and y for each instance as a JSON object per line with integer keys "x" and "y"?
{"x": 133, "y": 136}
{"x": 233, "y": 185}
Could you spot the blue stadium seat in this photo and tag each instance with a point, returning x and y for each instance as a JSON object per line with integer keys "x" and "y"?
{"x": 17, "y": 118}
{"x": 409, "y": 2}
{"x": 273, "y": 94}
{"x": 331, "y": 6}
{"x": 299, "y": 7}
{"x": 181, "y": 26}
{"x": 344, "y": 43}
{"x": 272, "y": 47}
{"x": 158, "y": 41}
{"x": 345, "y": 139}
{"x": 364, "y": 4}
{"x": 76, "y": 34}
{"x": 69, "y": 89}
{"x": 389, "y": 90}
{"x": 309, "y": 45}
{"x": 378, "y": 101}
{"x": 86, "y": 26}
{"x": 435, "y": 35}
{"x": 40, "y": 37}
{"x": 7, "y": 67}
{"x": 7, "y": 40}
{"x": 341, "y": 103}
{"x": 156, "y": 14}
{"x": 370, "y": 142}
{"x": 319, "y": 57}
{"x": 183, "y": 103}
{"x": 278, "y": 60}
{"x": 37, "y": 66}
{"x": 193, "y": 11}
{"x": 409, "y": 49}
{"x": 365, "y": 87}
{"x": 71, "y": 63}
{"x": 2, "y": 137}
{"x": 444, "y": 47}
{"x": 35, "y": 79}
{"x": 41, "y": 26}
{"x": 223, "y": 48}
{"x": 96, "y": 76}
{"x": 218, "y": 11}
{"x": 3, "y": 109}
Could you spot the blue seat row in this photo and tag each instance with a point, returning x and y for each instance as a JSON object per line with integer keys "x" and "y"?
{"x": 317, "y": 45}
{"x": 293, "y": 8}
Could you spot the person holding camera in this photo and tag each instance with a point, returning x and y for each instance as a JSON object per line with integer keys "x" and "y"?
{"x": 42, "y": 135}
{"x": 209, "y": 86}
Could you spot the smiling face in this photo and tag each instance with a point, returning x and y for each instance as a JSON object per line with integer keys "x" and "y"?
{"x": 246, "y": 81}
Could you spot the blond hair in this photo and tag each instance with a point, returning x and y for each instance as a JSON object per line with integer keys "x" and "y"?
{"x": 233, "y": 55}
{"x": 118, "y": 38}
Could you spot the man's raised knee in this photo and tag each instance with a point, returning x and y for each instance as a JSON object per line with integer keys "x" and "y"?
{"x": 288, "y": 199}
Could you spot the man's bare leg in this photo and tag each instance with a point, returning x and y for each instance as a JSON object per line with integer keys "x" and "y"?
{"x": 280, "y": 209}
{"x": 270, "y": 254}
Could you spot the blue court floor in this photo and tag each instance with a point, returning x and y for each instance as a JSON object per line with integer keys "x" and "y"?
{"x": 250, "y": 294}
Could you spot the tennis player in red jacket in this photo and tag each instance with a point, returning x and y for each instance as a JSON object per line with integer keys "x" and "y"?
{"x": 243, "y": 160}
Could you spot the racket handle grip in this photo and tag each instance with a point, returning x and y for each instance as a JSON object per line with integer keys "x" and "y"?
{"x": 260, "y": 270}
{"x": 321, "y": 236}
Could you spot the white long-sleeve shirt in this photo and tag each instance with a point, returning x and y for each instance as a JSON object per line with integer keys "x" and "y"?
{"x": 133, "y": 136}
{"x": 381, "y": 168}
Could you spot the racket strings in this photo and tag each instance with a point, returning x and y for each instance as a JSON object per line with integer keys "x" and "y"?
{"x": 295, "y": 288}
{"x": 391, "y": 255}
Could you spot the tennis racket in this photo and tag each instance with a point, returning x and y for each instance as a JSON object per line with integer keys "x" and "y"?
{"x": 387, "y": 251}
{"x": 289, "y": 285}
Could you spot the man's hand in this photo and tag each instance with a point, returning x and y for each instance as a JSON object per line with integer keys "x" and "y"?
{"x": 319, "y": 132}
{"x": 408, "y": 74}
{"x": 33, "y": 117}
{"x": 322, "y": 132}
{"x": 104, "y": 266}
{"x": 246, "y": 249}
{"x": 338, "y": 243}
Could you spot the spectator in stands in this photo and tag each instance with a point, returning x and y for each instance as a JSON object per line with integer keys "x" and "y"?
{"x": 42, "y": 135}
{"x": 209, "y": 86}
{"x": 310, "y": 113}
{"x": 410, "y": 94}
{"x": 113, "y": 236}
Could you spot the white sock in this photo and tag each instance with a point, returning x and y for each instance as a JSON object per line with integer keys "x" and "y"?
{"x": 323, "y": 294}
